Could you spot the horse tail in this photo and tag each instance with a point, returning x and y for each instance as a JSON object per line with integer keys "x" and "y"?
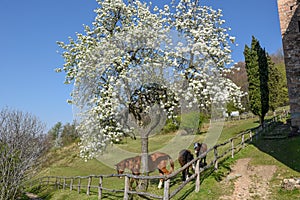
{"x": 171, "y": 164}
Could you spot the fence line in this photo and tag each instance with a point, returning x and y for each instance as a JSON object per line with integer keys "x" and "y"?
{"x": 64, "y": 182}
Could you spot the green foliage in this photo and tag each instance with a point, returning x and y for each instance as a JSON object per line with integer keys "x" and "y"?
{"x": 192, "y": 123}
{"x": 63, "y": 135}
{"x": 55, "y": 134}
{"x": 283, "y": 94}
{"x": 171, "y": 126}
{"x": 257, "y": 72}
{"x": 277, "y": 86}
{"x": 69, "y": 134}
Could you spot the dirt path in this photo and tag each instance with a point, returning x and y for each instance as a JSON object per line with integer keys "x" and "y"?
{"x": 251, "y": 182}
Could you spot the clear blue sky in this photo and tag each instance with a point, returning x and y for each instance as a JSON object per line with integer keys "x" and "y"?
{"x": 28, "y": 49}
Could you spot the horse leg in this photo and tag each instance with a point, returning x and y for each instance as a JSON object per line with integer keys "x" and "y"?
{"x": 131, "y": 183}
{"x": 187, "y": 173}
{"x": 160, "y": 183}
{"x": 183, "y": 175}
{"x": 201, "y": 163}
{"x": 162, "y": 172}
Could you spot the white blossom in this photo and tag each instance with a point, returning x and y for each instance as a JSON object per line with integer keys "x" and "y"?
{"x": 128, "y": 46}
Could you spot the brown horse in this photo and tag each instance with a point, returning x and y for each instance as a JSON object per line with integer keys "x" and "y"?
{"x": 200, "y": 148}
{"x": 156, "y": 160}
{"x": 184, "y": 157}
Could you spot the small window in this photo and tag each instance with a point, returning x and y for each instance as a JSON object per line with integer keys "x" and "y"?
{"x": 291, "y": 7}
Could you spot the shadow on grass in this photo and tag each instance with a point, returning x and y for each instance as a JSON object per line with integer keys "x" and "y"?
{"x": 284, "y": 150}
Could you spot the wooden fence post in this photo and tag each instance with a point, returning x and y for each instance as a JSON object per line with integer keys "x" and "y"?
{"x": 79, "y": 185}
{"x": 56, "y": 183}
{"x": 256, "y": 134}
{"x": 250, "y": 136}
{"x": 71, "y": 184}
{"x": 232, "y": 148}
{"x": 88, "y": 189}
{"x": 64, "y": 184}
{"x": 243, "y": 140}
{"x": 126, "y": 189}
{"x": 166, "y": 189}
{"x": 197, "y": 171}
{"x": 100, "y": 187}
{"x": 216, "y": 157}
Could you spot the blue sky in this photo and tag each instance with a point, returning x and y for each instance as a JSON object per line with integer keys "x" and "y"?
{"x": 28, "y": 49}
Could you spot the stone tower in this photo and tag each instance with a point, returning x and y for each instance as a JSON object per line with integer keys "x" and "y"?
{"x": 289, "y": 15}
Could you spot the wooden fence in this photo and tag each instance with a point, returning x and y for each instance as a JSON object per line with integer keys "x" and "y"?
{"x": 219, "y": 152}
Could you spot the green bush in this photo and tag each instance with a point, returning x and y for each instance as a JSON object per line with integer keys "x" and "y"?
{"x": 191, "y": 122}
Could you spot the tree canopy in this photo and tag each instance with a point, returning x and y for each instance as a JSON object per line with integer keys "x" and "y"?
{"x": 182, "y": 49}
{"x": 257, "y": 71}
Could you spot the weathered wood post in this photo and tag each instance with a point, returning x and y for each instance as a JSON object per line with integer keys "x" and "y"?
{"x": 216, "y": 157}
{"x": 166, "y": 189}
{"x": 88, "y": 189}
{"x": 243, "y": 140}
{"x": 56, "y": 183}
{"x": 71, "y": 184}
{"x": 100, "y": 187}
{"x": 126, "y": 189}
{"x": 79, "y": 184}
{"x": 197, "y": 171}
{"x": 64, "y": 184}
{"x": 232, "y": 148}
{"x": 250, "y": 135}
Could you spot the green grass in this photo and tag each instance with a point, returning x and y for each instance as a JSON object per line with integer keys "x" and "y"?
{"x": 282, "y": 153}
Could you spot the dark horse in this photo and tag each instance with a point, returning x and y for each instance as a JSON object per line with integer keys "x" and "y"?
{"x": 184, "y": 157}
{"x": 200, "y": 148}
{"x": 156, "y": 160}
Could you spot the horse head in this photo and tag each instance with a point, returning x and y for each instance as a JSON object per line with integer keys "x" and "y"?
{"x": 120, "y": 167}
{"x": 200, "y": 148}
{"x": 197, "y": 147}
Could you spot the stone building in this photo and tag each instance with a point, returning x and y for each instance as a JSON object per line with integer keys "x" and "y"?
{"x": 289, "y": 15}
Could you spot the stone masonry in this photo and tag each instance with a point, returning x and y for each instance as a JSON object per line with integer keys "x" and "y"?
{"x": 289, "y": 15}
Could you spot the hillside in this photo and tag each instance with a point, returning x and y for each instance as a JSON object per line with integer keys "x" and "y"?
{"x": 277, "y": 157}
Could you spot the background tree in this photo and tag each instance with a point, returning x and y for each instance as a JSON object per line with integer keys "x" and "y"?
{"x": 22, "y": 143}
{"x": 278, "y": 60}
{"x": 257, "y": 72}
{"x": 55, "y": 134}
{"x": 69, "y": 134}
{"x": 238, "y": 75}
{"x": 275, "y": 86}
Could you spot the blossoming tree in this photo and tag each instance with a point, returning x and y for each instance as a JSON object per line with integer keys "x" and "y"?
{"x": 137, "y": 63}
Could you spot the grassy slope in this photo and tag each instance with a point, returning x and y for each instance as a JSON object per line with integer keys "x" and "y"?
{"x": 65, "y": 162}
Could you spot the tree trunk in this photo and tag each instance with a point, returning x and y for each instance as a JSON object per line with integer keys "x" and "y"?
{"x": 143, "y": 184}
{"x": 261, "y": 120}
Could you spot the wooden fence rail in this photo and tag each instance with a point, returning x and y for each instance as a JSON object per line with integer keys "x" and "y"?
{"x": 61, "y": 182}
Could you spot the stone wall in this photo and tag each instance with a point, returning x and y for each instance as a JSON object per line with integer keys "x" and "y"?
{"x": 289, "y": 15}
